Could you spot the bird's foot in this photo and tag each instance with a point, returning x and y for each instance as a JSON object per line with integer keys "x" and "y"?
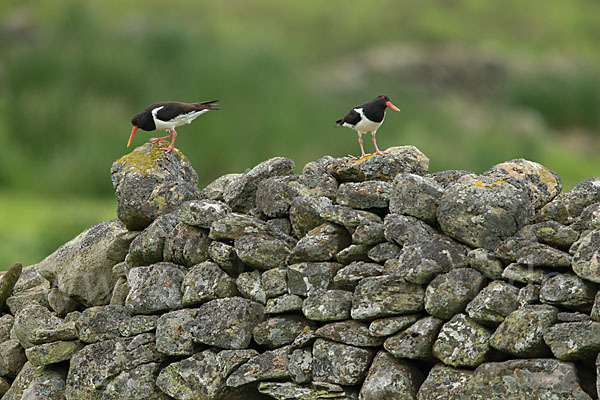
{"x": 167, "y": 149}
{"x": 381, "y": 152}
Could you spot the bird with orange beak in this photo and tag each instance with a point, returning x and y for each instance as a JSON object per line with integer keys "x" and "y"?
{"x": 169, "y": 115}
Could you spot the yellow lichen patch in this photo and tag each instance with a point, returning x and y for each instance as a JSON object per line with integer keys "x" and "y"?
{"x": 488, "y": 185}
{"x": 143, "y": 160}
{"x": 363, "y": 158}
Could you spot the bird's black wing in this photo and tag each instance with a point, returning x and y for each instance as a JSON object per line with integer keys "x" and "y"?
{"x": 351, "y": 118}
{"x": 172, "y": 109}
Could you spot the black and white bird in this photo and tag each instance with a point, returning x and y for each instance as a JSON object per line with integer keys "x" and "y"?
{"x": 169, "y": 115}
{"x": 367, "y": 117}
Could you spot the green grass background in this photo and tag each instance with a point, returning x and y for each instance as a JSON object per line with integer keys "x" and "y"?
{"x": 478, "y": 83}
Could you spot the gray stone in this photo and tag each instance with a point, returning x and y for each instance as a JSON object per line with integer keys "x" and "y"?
{"x": 353, "y": 253}
{"x": 235, "y": 225}
{"x": 369, "y": 232}
{"x": 390, "y": 378}
{"x": 586, "y": 260}
{"x": 225, "y": 255}
{"x": 174, "y": 332}
{"x": 555, "y": 234}
{"x": 300, "y": 365}
{"x": 493, "y": 303}
{"x": 328, "y": 305}
{"x": 346, "y": 216}
{"x": 147, "y": 248}
{"x": 154, "y": 288}
{"x": 402, "y": 228}
{"x": 52, "y": 353}
{"x": 595, "y": 313}
{"x": 445, "y": 383}
{"x": 320, "y": 244}
{"x": 35, "y": 324}
{"x": 268, "y": 365}
{"x": 94, "y": 366}
{"x": 249, "y": 286}
{"x": 416, "y": 341}
{"x": 13, "y": 358}
{"x": 6, "y": 324}
{"x": 283, "y": 304}
{"x": 274, "y": 282}
{"x": 186, "y": 245}
{"x": 37, "y": 295}
{"x": 485, "y": 262}
{"x": 262, "y": 252}
{"x": 340, "y": 363}
{"x": 541, "y": 255}
{"x": 508, "y": 249}
{"x": 227, "y": 323}
{"x": 349, "y": 332}
{"x": 280, "y": 330}
{"x": 138, "y": 324}
{"x": 293, "y": 391}
{"x": 30, "y": 278}
{"x": 416, "y": 196}
{"x": 483, "y": 211}
{"x": 462, "y": 342}
{"x": 529, "y": 294}
{"x": 281, "y": 225}
{"x": 101, "y": 323}
{"x": 305, "y": 214}
{"x": 215, "y": 189}
{"x": 203, "y": 375}
{"x": 8, "y": 281}
{"x": 449, "y": 177}
{"x": 120, "y": 292}
{"x": 569, "y": 291}
{"x": 60, "y": 303}
{"x": 567, "y": 206}
{"x": 384, "y": 296}
{"x": 573, "y": 341}
{"x": 523, "y": 274}
{"x": 206, "y": 281}
{"x": 384, "y": 251}
{"x": 572, "y": 317}
{"x": 149, "y": 182}
{"x": 348, "y": 277}
{"x": 418, "y": 161}
{"x": 46, "y": 383}
{"x": 4, "y": 386}
{"x": 306, "y": 277}
{"x": 202, "y": 213}
{"x": 137, "y": 383}
{"x": 448, "y": 294}
{"x": 520, "y": 333}
{"x": 364, "y": 195}
{"x": 82, "y": 268}
{"x": 590, "y": 216}
{"x": 241, "y": 193}
{"x": 317, "y": 167}
{"x": 373, "y": 167}
{"x": 537, "y": 379}
{"x": 388, "y": 326}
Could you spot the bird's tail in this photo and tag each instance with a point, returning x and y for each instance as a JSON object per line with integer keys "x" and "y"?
{"x": 339, "y": 122}
{"x": 208, "y": 105}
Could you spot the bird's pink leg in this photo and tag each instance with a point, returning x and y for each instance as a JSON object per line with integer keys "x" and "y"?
{"x": 174, "y": 136}
{"x": 377, "y": 151}
{"x": 362, "y": 149}
{"x": 156, "y": 140}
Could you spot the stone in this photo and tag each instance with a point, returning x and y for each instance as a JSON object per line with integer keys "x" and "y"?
{"x": 234, "y": 225}
{"x": 320, "y": 244}
{"x": 94, "y": 366}
{"x": 508, "y": 249}
{"x": 35, "y": 324}
{"x": 571, "y": 341}
{"x": 348, "y": 277}
{"x": 281, "y": 225}
{"x": 227, "y": 323}
{"x": 271, "y": 364}
{"x": 520, "y": 273}
{"x": 537, "y": 379}
{"x": 369, "y": 232}
{"x": 569, "y": 291}
{"x": 174, "y": 332}
{"x": 364, "y": 195}
{"x": 493, "y": 303}
{"x": 249, "y": 286}
{"x": 390, "y": 378}
{"x": 416, "y": 341}
{"x": 13, "y": 358}
{"x": 484, "y": 261}
{"x": 60, "y": 303}
{"x": 138, "y": 324}
{"x": 462, "y": 342}
{"x": 4, "y": 386}
{"x": 202, "y": 213}
{"x": 541, "y": 255}
{"x": 306, "y": 277}
{"x": 52, "y": 353}
{"x": 8, "y": 281}
{"x": 226, "y": 257}
{"x": 101, "y": 323}
{"x": 352, "y": 253}
{"x": 384, "y": 251}
{"x": 521, "y": 332}
{"x": 445, "y": 383}
{"x": 215, "y": 189}
{"x": 399, "y": 229}
{"x": 529, "y": 294}
{"x": 206, "y": 281}
{"x": 280, "y": 330}
{"x": 137, "y": 383}
{"x": 483, "y": 211}
{"x": 327, "y": 305}
{"x": 384, "y": 296}
{"x": 448, "y": 294}
{"x": 274, "y": 282}
{"x": 37, "y": 295}
{"x": 283, "y": 304}
{"x": 82, "y": 267}
{"x": 418, "y": 161}
{"x": 203, "y": 375}
{"x": 305, "y": 214}
{"x": 6, "y": 324}
{"x": 154, "y": 288}
{"x": 186, "y": 245}
{"x": 300, "y": 365}
{"x": 416, "y": 196}
{"x": 147, "y": 248}
{"x": 567, "y": 206}
{"x": 388, "y": 326}
{"x": 340, "y": 363}
{"x": 30, "y": 278}
{"x": 346, "y": 216}
{"x": 586, "y": 260}
{"x": 46, "y": 383}
{"x": 262, "y": 252}
{"x": 371, "y": 168}
{"x": 120, "y": 292}
{"x": 149, "y": 182}
{"x": 240, "y": 195}
{"x": 317, "y": 167}
{"x": 349, "y": 332}
{"x": 555, "y": 234}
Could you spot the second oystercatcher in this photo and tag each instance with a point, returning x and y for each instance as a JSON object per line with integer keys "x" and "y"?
{"x": 169, "y": 115}
{"x": 367, "y": 117}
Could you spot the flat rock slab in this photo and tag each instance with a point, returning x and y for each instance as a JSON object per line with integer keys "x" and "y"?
{"x": 154, "y": 288}
{"x": 340, "y": 363}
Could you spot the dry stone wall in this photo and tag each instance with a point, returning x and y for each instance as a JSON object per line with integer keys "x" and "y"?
{"x": 355, "y": 279}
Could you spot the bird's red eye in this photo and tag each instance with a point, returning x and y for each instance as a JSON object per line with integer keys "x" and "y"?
{"x": 137, "y": 120}
{"x": 383, "y": 97}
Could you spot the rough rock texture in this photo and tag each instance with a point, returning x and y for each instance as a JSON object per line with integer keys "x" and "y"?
{"x": 356, "y": 279}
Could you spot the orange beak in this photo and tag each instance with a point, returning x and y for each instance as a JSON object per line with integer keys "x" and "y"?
{"x": 389, "y": 104}
{"x": 132, "y": 133}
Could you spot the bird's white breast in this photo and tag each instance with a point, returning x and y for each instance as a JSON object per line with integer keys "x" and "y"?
{"x": 365, "y": 125}
{"x": 179, "y": 120}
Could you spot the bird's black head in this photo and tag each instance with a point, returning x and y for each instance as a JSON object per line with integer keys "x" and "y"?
{"x": 385, "y": 102}
{"x": 135, "y": 121}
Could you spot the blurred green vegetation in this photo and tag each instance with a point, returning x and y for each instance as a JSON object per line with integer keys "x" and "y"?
{"x": 478, "y": 83}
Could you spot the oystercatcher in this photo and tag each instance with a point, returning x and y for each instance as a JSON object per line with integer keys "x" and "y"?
{"x": 367, "y": 117}
{"x": 169, "y": 115}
